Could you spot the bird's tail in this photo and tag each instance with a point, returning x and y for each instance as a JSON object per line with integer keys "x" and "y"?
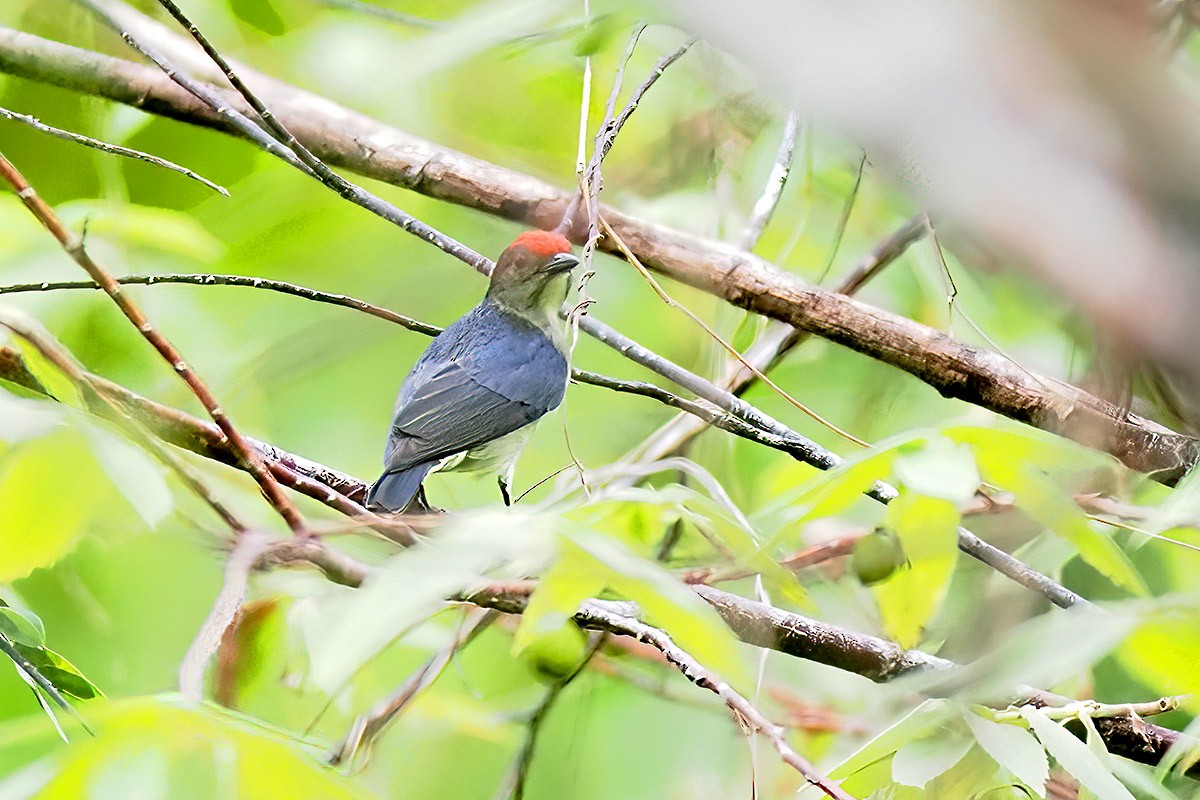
{"x": 394, "y": 491}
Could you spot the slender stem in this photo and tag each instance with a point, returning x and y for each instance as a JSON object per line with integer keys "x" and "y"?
{"x": 73, "y": 245}
{"x": 111, "y": 149}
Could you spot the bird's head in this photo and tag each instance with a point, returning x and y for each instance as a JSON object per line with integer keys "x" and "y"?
{"x": 533, "y": 274}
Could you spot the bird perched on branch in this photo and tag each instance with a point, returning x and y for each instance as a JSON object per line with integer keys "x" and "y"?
{"x": 471, "y": 400}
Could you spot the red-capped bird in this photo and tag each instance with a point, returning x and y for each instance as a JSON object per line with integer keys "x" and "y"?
{"x": 471, "y": 400}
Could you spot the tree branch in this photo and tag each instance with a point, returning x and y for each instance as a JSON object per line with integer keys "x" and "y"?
{"x": 73, "y": 245}
{"x": 344, "y": 138}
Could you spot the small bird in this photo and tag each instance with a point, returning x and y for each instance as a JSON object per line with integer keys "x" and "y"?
{"x": 471, "y": 400}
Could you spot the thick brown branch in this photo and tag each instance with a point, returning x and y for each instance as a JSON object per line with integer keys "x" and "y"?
{"x": 346, "y": 139}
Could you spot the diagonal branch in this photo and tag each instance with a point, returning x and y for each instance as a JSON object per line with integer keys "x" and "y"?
{"x": 73, "y": 245}
{"x": 344, "y": 138}
{"x": 111, "y": 149}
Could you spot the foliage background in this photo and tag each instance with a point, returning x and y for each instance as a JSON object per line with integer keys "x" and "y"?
{"x": 122, "y": 596}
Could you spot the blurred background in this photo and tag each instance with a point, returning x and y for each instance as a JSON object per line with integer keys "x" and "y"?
{"x": 1053, "y": 146}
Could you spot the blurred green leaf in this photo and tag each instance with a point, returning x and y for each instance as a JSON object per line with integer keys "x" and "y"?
{"x": 345, "y": 628}
{"x": 1013, "y": 748}
{"x": 919, "y": 761}
{"x": 37, "y": 479}
{"x": 939, "y": 468}
{"x": 927, "y": 528}
{"x": 1037, "y": 495}
{"x": 667, "y": 603}
{"x": 135, "y": 474}
{"x": 170, "y": 750}
{"x": 161, "y": 229}
{"x": 1075, "y": 757}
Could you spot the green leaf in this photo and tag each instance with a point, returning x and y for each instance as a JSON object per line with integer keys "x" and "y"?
{"x": 559, "y": 593}
{"x": 1038, "y": 496}
{"x": 859, "y": 772}
{"x": 1075, "y": 757}
{"x": 162, "y": 748}
{"x": 346, "y": 628}
{"x": 51, "y": 378}
{"x": 927, "y": 528}
{"x": 666, "y": 602}
{"x": 64, "y": 675}
{"x": 918, "y": 761}
{"x": 135, "y": 474}
{"x": 1049, "y": 649}
{"x": 940, "y": 468}
{"x": 1013, "y": 748}
{"x": 49, "y": 489}
{"x": 22, "y": 627}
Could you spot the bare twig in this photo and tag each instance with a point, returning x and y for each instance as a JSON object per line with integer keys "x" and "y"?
{"x": 369, "y": 727}
{"x": 111, "y": 149}
{"x": 768, "y": 201}
{"x": 74, "y": 248}
{"x": 209, "y": 279}
{"x": 246, "y": 552}
{"x": 391, "y": 15}
{"x": 608, "y": 616}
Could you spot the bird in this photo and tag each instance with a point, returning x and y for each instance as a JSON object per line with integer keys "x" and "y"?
{"x": 472, "y": 399}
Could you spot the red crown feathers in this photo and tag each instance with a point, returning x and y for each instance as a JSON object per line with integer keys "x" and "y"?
{"x": 543, "y": 243}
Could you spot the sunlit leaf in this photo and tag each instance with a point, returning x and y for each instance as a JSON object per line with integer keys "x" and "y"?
{"x": 170, "y": 750}
{"x": 1075, "y": 757}
{"x": 1038, "y": 496}
{"x": 350, "y": 627}
{"x": 918, "y": 761}
{"x": 48, "y": 490}
{"x": 927, "y": 528}
{"x": 940, "y": 468}
{"x": 22, "y": 627}
{"x": 667, "y": 603}
{"x": 1013, "y": 748}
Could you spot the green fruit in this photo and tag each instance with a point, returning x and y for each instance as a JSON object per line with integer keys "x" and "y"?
{"x": 876, "y": 556}
{"x": 555, "y": 654}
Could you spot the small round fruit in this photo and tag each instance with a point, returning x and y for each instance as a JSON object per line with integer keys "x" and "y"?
{"x": 877, "y": 556}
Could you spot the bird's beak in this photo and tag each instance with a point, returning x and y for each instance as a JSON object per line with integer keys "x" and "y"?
{"x": 563, "y": 262}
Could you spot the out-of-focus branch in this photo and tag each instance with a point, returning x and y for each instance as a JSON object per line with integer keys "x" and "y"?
{"x": 367, "y": 728}
{"x": 74, "y": 247}
{"x": 343, "y": 138}
{"x": 336, "y": 489}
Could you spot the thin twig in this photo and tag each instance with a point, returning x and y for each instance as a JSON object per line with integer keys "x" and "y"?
{"x": 520, "y": 774}
{"x": 246, "y": 552}
{"x": 768, "y": 201}
{"x": 607, "y": 616}
{"x": 74, "y": 248}
{"x": 391, "y": 15}
{"x": 366, "y": 729}
{"x": 730, "y": 349}
{"x": 111, "y": 149}
{"x": 210, "y": 279}
{"x": 93, "y": 393}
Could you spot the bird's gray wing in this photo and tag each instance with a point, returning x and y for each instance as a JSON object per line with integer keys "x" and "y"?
{"x": 450, "y": 412}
